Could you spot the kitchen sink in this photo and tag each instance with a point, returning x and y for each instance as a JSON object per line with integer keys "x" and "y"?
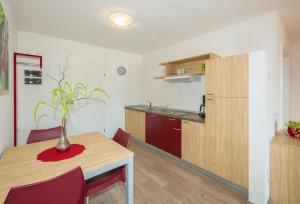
{"x": 175, "y": 113}
{"x": 141, "y": 107}
{"x": 160, "y": 110}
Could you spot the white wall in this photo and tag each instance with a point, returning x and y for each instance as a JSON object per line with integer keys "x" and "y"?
{"x": 295, "y": 83}
{"x": 258, "y": 174}
{"x": 6, "y": 102}
{"x": 286, "y": 89}
{"x": 261, "y": 33}
{"x": 88, "y": 65}
{"x": 284, "y": 62}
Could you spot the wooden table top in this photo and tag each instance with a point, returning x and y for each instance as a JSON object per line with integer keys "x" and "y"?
{"x": 18, "y": 165}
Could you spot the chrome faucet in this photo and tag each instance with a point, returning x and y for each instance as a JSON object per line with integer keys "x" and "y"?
{"x": 150, "y": 105}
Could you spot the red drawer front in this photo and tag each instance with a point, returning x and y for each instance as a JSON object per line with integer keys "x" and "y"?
{"x": 173, "y": 122}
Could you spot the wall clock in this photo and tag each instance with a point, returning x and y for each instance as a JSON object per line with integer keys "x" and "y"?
{"x": 121, "y": 70}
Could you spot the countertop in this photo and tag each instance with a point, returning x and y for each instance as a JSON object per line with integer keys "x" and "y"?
{"x": 168, "y": 112}
{"x": 282, "y": 138}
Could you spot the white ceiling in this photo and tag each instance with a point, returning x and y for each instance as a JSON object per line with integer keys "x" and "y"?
{"x": 158, "y": 23}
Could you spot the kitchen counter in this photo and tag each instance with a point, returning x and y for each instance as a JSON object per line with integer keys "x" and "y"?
{"x": 282, "y": 138}
{"x": 168, "y": 112}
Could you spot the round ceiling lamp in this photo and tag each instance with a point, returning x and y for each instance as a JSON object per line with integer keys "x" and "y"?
{"x": 121, "y": 19}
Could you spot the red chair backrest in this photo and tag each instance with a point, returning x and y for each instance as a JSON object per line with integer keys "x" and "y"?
{"x": 66, "y": 188}
{"x": 45, "y": 134}
{"x": 122, "y": 137}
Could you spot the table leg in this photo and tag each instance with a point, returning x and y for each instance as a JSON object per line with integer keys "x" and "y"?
{"x": 129, "y": 181}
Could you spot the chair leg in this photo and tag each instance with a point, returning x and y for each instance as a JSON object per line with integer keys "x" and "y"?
{"x": 87, "y": 200}
{"x": 125, "y": 185}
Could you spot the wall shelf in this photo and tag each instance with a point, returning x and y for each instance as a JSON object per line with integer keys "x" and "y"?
{"x": 187, "y": 66}
{"x": 28, "y": 64}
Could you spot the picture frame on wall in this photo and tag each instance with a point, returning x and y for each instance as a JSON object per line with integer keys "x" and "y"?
{"x": 4, "y": 55}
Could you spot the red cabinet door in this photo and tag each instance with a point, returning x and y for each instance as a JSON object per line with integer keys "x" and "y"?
{"x": 164, "y": 133}
{"x": 154, "y": 134}
{"x": 172, "y": 136}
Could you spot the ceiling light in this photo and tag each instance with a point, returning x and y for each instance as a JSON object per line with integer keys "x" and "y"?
{"x": 121, "y": 19}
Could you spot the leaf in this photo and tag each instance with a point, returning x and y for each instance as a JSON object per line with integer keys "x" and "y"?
{"x": 293, "y": 124}
{"x": 36, "y": 108}
{"x": 69, "y": 86}
{"x": 82, "y": 86}
{"x": 99, "y": 90}
{"x": 54, "y": 94}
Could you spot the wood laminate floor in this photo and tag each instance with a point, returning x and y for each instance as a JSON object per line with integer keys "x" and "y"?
{"x": 159, "y": 179}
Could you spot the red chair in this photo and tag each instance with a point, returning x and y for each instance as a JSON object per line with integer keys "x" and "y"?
{"x": 114, "y": 176}
{"x": 45, "y": 134}
{"x": 66, "y": 188}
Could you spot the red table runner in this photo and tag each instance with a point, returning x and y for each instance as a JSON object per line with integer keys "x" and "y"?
{"x": 52, "y": 154}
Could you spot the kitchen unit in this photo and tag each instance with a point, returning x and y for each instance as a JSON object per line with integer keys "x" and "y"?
{"x": 162, "y": 128}
{"x": 285, "y": 168}
{"x": 220, "y": 143}
{"x": 135, "y": 123}
{"x": 193, "y": 142}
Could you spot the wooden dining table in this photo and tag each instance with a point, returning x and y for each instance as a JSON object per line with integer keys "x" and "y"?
{"x": 19, "y": 166}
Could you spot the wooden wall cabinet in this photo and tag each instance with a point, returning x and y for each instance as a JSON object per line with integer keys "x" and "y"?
{"x": 192, "y": 142}
{"x": 210, "y": 77}
{"x": 135, "y": 124}
{"x": 191, "y": 66}
{"x": 285, "y": 170}
{"x": 228, "y": 76}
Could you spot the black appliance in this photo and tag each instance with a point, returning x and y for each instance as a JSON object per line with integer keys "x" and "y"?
{"x": 202, "y": 107}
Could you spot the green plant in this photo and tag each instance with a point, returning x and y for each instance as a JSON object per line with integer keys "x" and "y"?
{"x": 66, "y": 94}
{"x": 293, "y": 124}
{"x": 2, "y": 15}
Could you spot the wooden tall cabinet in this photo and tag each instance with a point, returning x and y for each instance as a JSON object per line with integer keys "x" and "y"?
{"x": 226, "y": 142}
{"x": 192, "y": 142}
{"x": 228, "y": 76}
{"x": 135, "y": 124}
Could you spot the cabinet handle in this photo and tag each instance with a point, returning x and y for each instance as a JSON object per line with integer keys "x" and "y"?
{"x": 177, "y": 129}
{"x": 153, "y": 115}
{"x": 209, "y": 99}
{"x": 209, "y": 94}
{"x": 171, "y": 119}
{"x": 185, "y": 122}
